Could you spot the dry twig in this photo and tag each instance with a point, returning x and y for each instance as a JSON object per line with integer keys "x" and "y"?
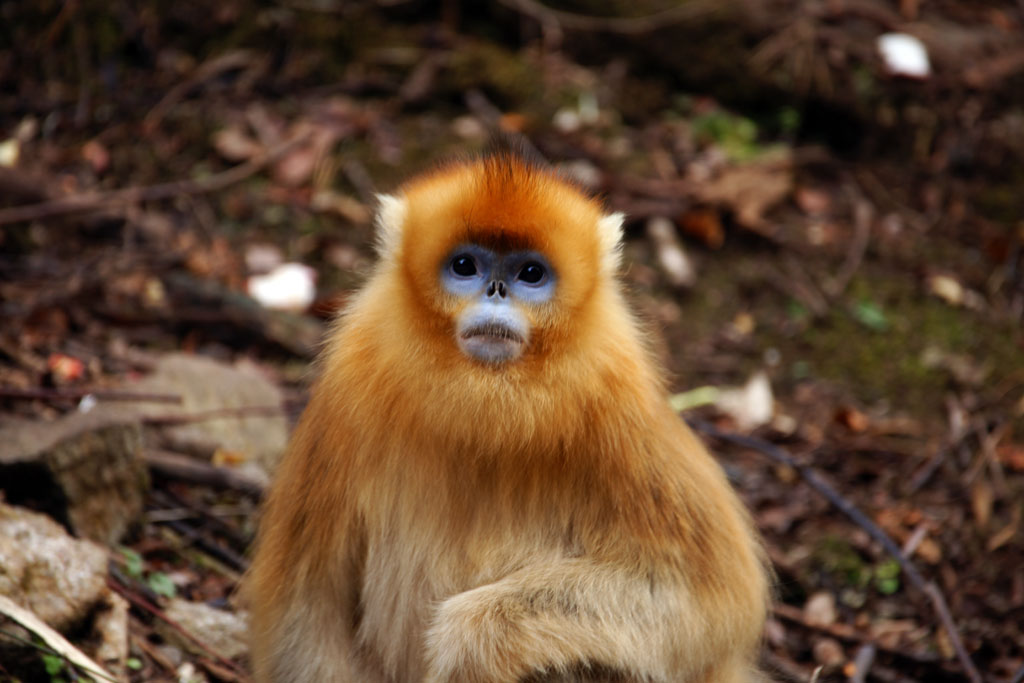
{"x": 683, "y": 12}
{"x": 215, "y": 414}
{"x": 147, "y": 606}
{"x": 91, "y": 201}
{"x": 53, "y": 642}
{"x": 863, "y": 213}
{"x": 844, "y": 632}
{"x": 184, "y": 468}
{"x": 44, "y": 394}
{"x": 207, "y": 71}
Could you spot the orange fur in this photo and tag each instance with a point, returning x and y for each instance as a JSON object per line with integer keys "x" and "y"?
{"x": 439, "y": 519}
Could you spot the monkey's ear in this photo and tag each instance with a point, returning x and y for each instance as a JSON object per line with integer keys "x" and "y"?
{"x": 390, "y": 219}
{"x": 609, "y": 231}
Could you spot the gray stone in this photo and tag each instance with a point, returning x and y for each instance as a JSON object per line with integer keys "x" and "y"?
{"x": 207, "y": 386}
{"x": 223, "y": 632}
{"x": 84, "y": 469}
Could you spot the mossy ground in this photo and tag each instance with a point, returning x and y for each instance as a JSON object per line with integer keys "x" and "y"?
{"x": 884, "y": 357}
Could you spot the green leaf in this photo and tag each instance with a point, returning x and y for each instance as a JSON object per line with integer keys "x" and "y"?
{"x": 789, "y": 120}
{"x": 161, "y": 584}
{"x": 54, "y": 664}
{"x": 870, "y": 315}
{"x": 701, "y": 396}
{"x": 887, "y": 577}
{"x": 796, "y": 310}
{"x": 800, "y": 369}
{"x": 133, "y": 663}
{"x": 132, "y": 562}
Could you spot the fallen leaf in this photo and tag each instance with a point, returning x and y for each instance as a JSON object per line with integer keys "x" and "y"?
{"x": 705, "y": 225}
{"x": 749, "y": 191}
{"x": 225, "y": 457}
{"x": 946, "y": 288}
{"x": 10, "y": 150}
{"x": 512, "y": 122}
{"x": 820, "y": 609}
{"x": 982, "y": 498}
{"x": 870, "y": 315}
{"x": 1004, "y": 535}
{"x": 812, "y": 201}
{"x": 349, "y": 208}
{"x": 744, "y": 324}
{"x": 962, "y": 367}
{"x": 950, "y": 290}
{"x": 1011, "y": 455}
{"x": 65, "y": 369}
{"x": 828, "y": 652}
{"x": 296, "y": 167}
{"x": 852, "y": 419}
{"x": 51, "y": 638}
{"x": 469, "y": 128}
{"x": 290, "y": 286}
{"x": 944, "y": 645}
{"x": 929, "y": 551}
{"x": 674, "y": 262}
{"x": 904, "y": 55}
{"x": 96, "y": 155}
{"x": 751, "y": 405}
{"x": 234, "y": 145}
{"x": 262, "y": 257}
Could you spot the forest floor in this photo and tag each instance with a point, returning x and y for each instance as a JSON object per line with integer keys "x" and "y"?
{"x": 856, "y": 303}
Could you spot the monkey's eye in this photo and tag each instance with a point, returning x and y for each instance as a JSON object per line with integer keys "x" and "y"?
{"x": 463, "y": 265}
{"x": 531, "y": 273}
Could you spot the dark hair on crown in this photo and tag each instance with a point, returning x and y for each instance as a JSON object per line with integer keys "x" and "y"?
{"x": 515, "y": 147}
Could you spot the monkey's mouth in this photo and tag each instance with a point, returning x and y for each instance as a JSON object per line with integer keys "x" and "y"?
{"x": 491, "y": 342}
{"x": 494, "y": 332}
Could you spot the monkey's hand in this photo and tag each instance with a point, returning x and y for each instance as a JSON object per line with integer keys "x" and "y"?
{"x": 551, "y": 620}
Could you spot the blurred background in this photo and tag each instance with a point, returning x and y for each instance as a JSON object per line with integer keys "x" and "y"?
{"x": 825, "y": 220}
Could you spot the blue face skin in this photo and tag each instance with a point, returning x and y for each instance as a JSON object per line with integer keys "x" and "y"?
{"x": 492, "y": 328}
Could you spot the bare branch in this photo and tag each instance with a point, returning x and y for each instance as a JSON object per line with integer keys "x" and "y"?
{"x": 816, "y": 482}
{"x": 685, "y": 11}
{"x": 92, "y": 201}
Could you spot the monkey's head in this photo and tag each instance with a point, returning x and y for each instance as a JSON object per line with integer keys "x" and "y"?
{"x": 502, "y": 257}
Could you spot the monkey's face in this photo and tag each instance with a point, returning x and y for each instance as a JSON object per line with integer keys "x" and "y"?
{"x": 499, "y": 261}
{"x": 496, "y": 289}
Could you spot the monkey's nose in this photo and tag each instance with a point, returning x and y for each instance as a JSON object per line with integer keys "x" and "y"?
{"x": 497, "y": 287}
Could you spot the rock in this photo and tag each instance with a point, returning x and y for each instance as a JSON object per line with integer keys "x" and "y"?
{"x": 84, "y": 469}
{"x": 206, "y": 385}
{"x": 47, "y": 571}
{"x": 62, "y": 580}
{"x": 223, "y": 632}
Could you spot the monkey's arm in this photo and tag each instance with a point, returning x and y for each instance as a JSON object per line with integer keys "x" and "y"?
{"x": 553, "y": 620}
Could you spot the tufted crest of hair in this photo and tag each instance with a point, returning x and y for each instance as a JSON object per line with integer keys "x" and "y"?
{"x": 506, "y": 199}
{"x": 440, "y": 519}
